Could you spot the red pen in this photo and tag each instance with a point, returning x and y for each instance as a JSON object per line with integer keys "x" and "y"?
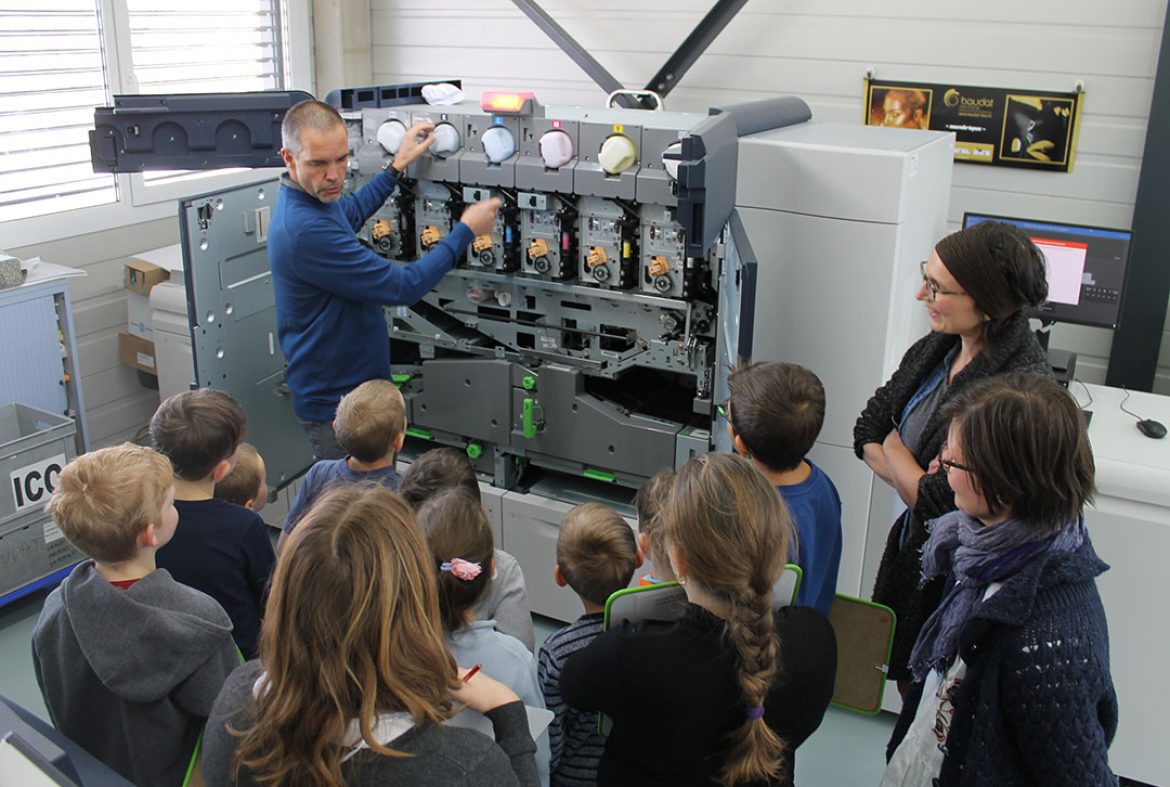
{"x": 471, "y": 672}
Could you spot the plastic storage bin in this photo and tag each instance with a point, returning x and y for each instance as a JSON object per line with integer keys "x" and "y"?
{"x": 34, "y": 446}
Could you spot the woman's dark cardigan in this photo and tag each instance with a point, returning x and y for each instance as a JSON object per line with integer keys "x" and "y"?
{"x": 1013, "y": 348}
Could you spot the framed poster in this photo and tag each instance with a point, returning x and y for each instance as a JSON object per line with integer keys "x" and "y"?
{"x": 994, "y": 126}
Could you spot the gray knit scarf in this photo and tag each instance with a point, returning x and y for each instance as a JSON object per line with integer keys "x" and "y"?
{"x": 975, "y": 555}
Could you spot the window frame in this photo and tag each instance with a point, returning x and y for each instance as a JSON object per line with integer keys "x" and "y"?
{"x": 136, "y": 202}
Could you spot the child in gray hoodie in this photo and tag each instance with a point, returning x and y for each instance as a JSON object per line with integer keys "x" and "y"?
{"x": 128, "y": 660}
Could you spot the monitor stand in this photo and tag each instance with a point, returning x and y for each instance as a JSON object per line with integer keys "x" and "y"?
{"x": 1063, "y": 362}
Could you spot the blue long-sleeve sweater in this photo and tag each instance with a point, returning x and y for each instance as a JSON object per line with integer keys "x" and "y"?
{"x": 330, "y": 290}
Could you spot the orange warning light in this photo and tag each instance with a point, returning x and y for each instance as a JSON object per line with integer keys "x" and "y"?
{"x": 507, "y": 103}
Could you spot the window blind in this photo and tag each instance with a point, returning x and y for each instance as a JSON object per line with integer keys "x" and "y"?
{"x": 51, "y": 77}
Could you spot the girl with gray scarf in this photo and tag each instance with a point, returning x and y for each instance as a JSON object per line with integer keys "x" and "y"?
{"x": 1011, "y": 671}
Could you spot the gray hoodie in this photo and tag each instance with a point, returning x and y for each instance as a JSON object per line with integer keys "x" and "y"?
{"x": 131, "y": 675}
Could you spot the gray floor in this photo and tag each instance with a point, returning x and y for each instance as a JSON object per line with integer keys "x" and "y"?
{"x": 847, "y": 751}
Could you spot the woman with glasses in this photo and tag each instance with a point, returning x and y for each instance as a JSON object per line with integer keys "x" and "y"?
{"x": 975, "y": 287}
{"x": 1011, "y": 671}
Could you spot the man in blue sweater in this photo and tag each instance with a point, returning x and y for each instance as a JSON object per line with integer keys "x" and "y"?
{"x": 329, "y": 288}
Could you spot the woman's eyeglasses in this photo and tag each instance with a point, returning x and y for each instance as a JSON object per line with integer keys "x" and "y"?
{"x": 932, "y": 288}
{"x": 947, "y": 464}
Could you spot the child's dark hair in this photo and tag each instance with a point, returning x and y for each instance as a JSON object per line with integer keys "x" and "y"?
{"x": 456, "y": 527}
{"x": 369, "y": 420}
{"x": 197, "y": 430}
{"x": 1025, "y": 438}
{"x": 242, "y": 484}
{"x": 731, "y": 530}
{"x": 596, "y": 551}
{"x": 435, "y": 471}
{"x": 777, "y": 409}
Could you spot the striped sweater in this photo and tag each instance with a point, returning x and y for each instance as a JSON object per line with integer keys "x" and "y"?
{"x": 576, "y": 746}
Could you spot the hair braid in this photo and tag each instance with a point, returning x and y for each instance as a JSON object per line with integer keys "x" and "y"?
{"x": 756, "y": 751}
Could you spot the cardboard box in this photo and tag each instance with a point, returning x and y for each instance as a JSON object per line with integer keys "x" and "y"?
{"x": 138, "y": 316}
{"x": 138, "y": 276}
{"x": 148, "y": 268}
{"x": 137, "y": 352}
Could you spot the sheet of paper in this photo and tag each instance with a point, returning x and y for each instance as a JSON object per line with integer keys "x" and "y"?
{"x": 538, "y": 721}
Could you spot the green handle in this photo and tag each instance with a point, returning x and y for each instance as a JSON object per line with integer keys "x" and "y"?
{"x": 599, "y": 475}
{"x": 474, "y": 450}
{"x": 528, "y": 383}
{"x": 421, "y": 434}
{"x": 528, "y": 417}
{"x": 399, "y": 379}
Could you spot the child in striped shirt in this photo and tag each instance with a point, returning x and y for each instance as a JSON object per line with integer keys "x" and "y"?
{"x": 596, "y": 556}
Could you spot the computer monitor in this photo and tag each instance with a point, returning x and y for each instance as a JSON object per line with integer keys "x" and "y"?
{"x": 1086, "y": 269}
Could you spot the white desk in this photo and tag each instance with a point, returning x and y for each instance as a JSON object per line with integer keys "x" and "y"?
{"x": 1130, "y": 528}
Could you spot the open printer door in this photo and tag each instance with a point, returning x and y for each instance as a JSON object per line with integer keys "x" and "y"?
{"x": 737, "y": 315}
{"x": 232, "y": 312}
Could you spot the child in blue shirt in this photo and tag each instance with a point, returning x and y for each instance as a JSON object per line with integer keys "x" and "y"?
{"x": 370, "y": 427}
{"x": 774, "y": 415}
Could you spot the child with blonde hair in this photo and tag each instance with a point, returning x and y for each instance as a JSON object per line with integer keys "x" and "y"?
{"x": 370, "y": 427}
{"x": 128, "y": 660}
{"x": 246, "y": 484}
{"x": 727, "y": 692}
{"x": 649, "y": 502}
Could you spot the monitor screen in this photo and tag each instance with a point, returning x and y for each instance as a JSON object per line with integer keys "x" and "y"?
{"x": 1086, "y": 268}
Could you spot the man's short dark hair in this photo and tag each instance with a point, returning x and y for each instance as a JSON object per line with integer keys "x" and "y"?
{"x": 197, "y": 430}
{"x": 436, "y": 471}
{"x": 777, "y": 409}
{"x": 308, "y": 114}
{"x": 596, "y": 551}
{"x": 1025, "y": 438}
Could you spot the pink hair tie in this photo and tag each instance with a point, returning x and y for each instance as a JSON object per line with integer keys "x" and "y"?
{"x": 462, "y": 569}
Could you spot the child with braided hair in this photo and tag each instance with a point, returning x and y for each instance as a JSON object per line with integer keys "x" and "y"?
{"x": 460, "y": 538}
{"x": 725, "y": 694}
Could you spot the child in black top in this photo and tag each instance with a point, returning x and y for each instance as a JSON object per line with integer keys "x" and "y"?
{"x": 219, "y": 548}
{"x": 729, "y": 691}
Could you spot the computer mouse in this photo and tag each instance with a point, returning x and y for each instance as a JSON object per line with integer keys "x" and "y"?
{"x": 1151, "y": 428}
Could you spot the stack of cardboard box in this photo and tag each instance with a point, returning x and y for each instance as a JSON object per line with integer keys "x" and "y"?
{"x": 139, "y": 275}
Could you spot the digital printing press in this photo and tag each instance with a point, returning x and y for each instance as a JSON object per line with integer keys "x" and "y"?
{"x": 585, "y": 342}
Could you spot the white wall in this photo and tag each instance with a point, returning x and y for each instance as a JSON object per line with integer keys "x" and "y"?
{"x": 820, "y": 50}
